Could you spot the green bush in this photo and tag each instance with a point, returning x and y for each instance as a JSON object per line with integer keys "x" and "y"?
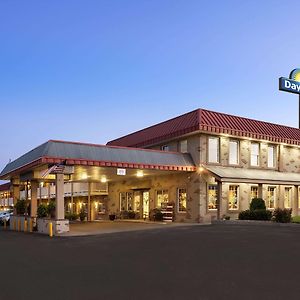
{"x": 257, "y": 203}
{"x": 156, "y": 215}
{"x": 82, "y": 215}
{"x": 21, "y": 207}
{"x": 257, "y": 214}
{"x": 71, "y": 216}
{"x": 296, "y": 219}
{"x": 51, "y": 209}
{"x": 282, "y": 215}
{"x": 42, "y": 210}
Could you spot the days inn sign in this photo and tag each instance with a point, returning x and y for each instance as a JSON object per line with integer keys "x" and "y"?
{"x": 291, "y": 84}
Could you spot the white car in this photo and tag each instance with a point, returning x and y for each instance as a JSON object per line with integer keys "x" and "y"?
{"x": 5, "y": 216}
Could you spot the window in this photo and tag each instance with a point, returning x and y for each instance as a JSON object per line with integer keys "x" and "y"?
{"x": 254, "y": 192}
{"x": 162, "y": 197}
{"x": 271, "y": 156}
{"x": 165, "y": 148}
{"x": 233, "y": 197}
{"x": 213, "y": 149}
{"x": 181, "y": 200}
{"x": 183, "y": 146}
{"x": 287, "y": 197}
{"x": 233, "y": 152}
{"x": 271, "y": 197}
{"x": 212, "y": 197}
{"x": 254, "y": 154}
{"x": 126, "y": 201}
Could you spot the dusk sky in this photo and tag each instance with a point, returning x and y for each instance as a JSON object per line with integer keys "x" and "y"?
{"x": 92, "y": 71}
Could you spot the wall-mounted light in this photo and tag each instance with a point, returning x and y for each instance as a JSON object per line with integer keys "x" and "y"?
{"x": 139, "y": 173}
{"x": 103, "y": 179}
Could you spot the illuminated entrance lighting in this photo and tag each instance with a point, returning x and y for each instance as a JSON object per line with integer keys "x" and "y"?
{"x": 140, "y": 173}
{"x": 103, "y": 179}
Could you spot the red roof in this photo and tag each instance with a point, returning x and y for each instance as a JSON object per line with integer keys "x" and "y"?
{"x": 211, "y": 122}
{"x": 5, "y": 187}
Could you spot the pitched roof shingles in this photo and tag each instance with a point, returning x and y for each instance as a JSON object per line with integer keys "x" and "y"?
{"x": 211, "y": 122}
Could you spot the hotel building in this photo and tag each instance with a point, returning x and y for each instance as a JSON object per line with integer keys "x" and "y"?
{"x": 203, "y": 164}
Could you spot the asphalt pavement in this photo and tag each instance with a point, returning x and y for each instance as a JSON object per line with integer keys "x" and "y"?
{"x": 194, "y": 262}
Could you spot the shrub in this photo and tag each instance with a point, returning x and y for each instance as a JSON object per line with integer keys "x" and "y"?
{"x": 156, "y": 215}
{"x": 282, "y": 215}
{"x": 82, "y": 215}
{"x": 257, "y": 203}
{"x": 42, "y": 210}
{"x": 124, "y": 214}
{"x": 21, "y": 207}
{"x": 257, "y": 214}
{"x": 71, "y": 216}
{"x": 51, "y": 209}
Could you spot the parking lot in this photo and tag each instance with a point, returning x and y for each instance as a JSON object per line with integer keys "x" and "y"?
{"x": 193, "y": 262}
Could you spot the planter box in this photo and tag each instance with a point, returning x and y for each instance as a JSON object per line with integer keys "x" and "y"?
{"x": 59, "y": 226}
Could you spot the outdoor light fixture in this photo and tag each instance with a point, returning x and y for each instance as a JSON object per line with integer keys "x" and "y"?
{"x": 139, "y": 173}
{"x": 103, "y": 179}
{"x": 84, "y": 176}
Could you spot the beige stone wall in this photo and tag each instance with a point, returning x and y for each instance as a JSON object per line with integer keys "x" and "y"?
{"x": 172, "y": 182}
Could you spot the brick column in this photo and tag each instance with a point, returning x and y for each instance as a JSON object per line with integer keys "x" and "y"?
{"x": 59, "y": 200}
{"x": 33, "y": 204}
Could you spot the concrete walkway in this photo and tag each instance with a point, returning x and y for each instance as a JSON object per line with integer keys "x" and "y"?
{"x": 105, "y": 227}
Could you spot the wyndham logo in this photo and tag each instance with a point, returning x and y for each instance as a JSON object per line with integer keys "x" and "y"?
{"x": 292, "y": 84}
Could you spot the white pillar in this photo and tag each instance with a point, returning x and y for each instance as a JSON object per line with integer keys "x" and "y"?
{"x": 89, "y": 202}
{"x": 59, "y": 192}
{"x": 295, "y": 201}
{"x": 33, "y": 204}
{"x": 219, "y": 212}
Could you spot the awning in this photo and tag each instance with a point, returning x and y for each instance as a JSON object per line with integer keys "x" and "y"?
{"x": 242, "y": 175}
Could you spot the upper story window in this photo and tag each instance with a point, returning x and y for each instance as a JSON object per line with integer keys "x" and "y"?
{"x": 165, "y": 148}
{"x": 271, "y": 156}
{"x": 213, "y": 150}
{"x": 233, "y": 152}
{"x": 255, "y": 154}
{"x": 183, "y": 146}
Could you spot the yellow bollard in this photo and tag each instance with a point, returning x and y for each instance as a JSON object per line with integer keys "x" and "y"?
{"x": 19, "y": 225}
{"x": 30, "y": 225}
{"x": 50, "y": 229}
{"x": 25, "y": 225}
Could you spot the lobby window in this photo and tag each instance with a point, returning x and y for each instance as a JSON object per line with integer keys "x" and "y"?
{"x": 165, "y": 148}
{"x": 271, "y": 156}
{"x": 181, "y": 198}
{"x": 212, "y": 197}
{"x": 287, "y": 197}
{"x": 254, "y": 192}
{"x": 123, "y": 204}
{"x": 255, "y": 154}
{"x": 183, "y": 146}
{"x": 233, "y": 197}
{"x": 233, "y": 152}
{"x": 271, "y": 197}
{"x": 213, "y": 150}
{"x": 126, "y": 201}
{"x": 162, "y": 197}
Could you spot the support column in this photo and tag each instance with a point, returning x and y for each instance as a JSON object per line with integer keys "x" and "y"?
{"x": 260, "y": 191}
{"x": 219, "y": 212}
{"x": 59, "y": 200}
{"x": 89, "y": 202}
{"x": 16, "y": 193}
{"x": 295, "y": 202}
{"x": 33, "y": 204}
{"x": 72, "y": 198}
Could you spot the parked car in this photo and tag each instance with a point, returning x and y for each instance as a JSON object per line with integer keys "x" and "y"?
{"x": 5, "y": 216}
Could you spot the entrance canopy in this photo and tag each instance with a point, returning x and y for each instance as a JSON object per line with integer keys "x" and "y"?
{"x": 83, "y": 156}
{"x": 226, "y": 174}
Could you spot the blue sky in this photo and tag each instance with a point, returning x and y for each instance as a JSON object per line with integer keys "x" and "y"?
{"x": 92, "y": 71}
